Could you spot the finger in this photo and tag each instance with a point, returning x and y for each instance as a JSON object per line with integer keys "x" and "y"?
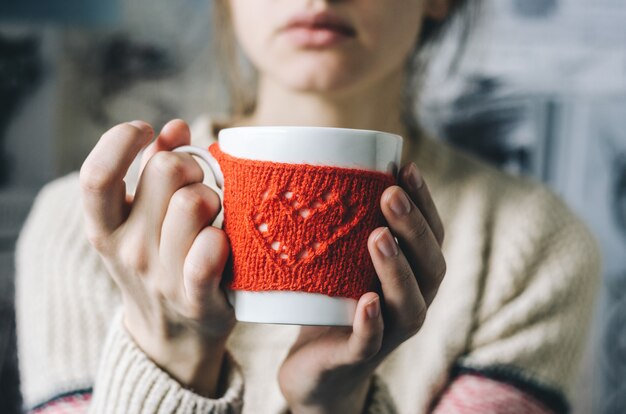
{"x": 367, "y": 330}
{"x": 101, "y": 176}
{"x": 165, "y": 173}
{"x": 416, "y": 238}
{"x": 405, "y": 308}
{"x": 191, "y": 209}
{"x": 413, "y": 182}
{"x": 203, "y": 269}
{"x": 174, "y": 134}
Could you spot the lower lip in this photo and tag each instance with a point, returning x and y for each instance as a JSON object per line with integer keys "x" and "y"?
{"x": 306, "y": 37}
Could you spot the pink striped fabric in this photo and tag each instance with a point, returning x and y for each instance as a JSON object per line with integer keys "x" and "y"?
{"x": 70, "y": 404}
{"x": 470, "y": 393}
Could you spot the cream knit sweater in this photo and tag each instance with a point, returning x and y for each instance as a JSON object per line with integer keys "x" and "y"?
{"x": 515, "y": 304}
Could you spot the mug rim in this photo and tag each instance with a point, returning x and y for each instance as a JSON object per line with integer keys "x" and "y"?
{"x": 233, "y": 131}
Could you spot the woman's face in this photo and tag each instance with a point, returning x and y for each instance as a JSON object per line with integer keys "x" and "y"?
{"x": 327, "y": 46}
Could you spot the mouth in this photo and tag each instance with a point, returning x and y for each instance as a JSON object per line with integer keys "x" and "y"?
{"x": 318, "y": 30}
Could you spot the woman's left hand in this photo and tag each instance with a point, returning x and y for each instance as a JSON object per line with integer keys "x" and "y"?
{"x": 329, "y": 369}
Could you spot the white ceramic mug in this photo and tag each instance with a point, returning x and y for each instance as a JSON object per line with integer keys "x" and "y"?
{"x": 336, "y": 147}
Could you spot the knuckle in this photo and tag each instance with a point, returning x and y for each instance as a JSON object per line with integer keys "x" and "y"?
{"x": 95, "y": 177}
{"x": 134, "y": 258}
{"x": 193, "y": 309}
{"x": 214, "y": 200}
{"x": 419, "y": 320}
{"x": 189, "y": 202}
{"x": 412, "y": 327}
{"x": 196, "y": 274}
{"x": 404, "y": 276}
{"x": 414, "y": 324}
{"x": 419, "y": 230}
{"x": 366, "y": 352}
{"x": 168, "y": 164}
{"x": 99, "y": 241}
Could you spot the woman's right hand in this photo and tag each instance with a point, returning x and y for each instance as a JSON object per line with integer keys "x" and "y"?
{"x": 161, "y": 250}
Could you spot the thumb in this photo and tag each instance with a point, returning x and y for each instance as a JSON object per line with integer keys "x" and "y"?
{"x": 367, "y": 330}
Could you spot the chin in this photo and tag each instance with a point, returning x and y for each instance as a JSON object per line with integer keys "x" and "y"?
{"x": 320, "y": 84}
{"x": 321, "y": 77}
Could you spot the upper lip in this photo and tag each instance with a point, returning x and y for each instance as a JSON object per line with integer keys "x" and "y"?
{"x": 325, "y": 19}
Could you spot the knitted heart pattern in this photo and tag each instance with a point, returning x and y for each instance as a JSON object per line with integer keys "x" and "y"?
{"x": 296, "y": 229}
{"x": 300, "y": 227}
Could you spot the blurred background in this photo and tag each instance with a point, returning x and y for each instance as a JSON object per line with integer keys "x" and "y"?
{"x": 540, "y": 91}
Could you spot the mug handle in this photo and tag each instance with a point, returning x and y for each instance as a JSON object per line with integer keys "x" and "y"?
{"x": 205, "y": 156}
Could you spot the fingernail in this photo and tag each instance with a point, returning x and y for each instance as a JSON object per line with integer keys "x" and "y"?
{"x": 386, "y": 244}
{"x": 399, "y": 203}
{"x": 373, "y": 309}
{"x": 415, "y": 179}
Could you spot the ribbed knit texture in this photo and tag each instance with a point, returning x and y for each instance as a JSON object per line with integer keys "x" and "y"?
{"x": 300, "y": 227}
{"x": 64, "y": 297}
{"x": 522, "y": 275}
{"x": 137, "y": 385}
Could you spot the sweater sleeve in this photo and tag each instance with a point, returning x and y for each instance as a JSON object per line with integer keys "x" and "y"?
{"x": 68, "y": 337}
{"x": 64, "y": 297}
{"x": 129, "y": 382}
{"x": 537, "y": 298}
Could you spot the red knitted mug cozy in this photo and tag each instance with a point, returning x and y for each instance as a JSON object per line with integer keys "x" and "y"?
{"x": 300, "y": 227}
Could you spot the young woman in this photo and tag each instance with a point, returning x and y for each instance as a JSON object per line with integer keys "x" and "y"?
{"x": 500, "y": 333}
